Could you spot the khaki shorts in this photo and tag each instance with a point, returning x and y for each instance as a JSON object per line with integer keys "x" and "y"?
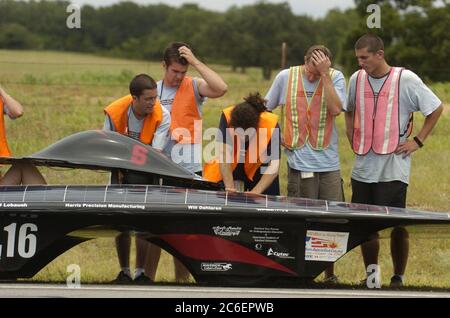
{"x": 322, "y": 185}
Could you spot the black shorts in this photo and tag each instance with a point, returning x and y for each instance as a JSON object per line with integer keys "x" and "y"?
{"x": 391, "y": 193}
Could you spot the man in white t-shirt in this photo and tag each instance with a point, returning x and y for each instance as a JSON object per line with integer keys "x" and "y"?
{"x": 183, "y": 96}
{"x": 380, "y": 104}
{"x": 313, "y": 95}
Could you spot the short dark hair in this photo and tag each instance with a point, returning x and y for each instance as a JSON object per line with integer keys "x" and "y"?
{"x": 372, "y": 42}
{"x": 141, "y": 82}
{"x": 246, "y": 114}
{"x": 171, "y": 54}
{"x": 318, "y": 47}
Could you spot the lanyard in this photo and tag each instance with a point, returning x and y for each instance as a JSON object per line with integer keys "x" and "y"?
{"x": 162, "y": 87}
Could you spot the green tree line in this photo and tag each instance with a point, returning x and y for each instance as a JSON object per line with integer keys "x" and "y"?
{"x": 415, "y": 32}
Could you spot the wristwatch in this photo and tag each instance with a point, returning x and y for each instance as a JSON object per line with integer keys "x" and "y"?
{"x": 418, "y": 142}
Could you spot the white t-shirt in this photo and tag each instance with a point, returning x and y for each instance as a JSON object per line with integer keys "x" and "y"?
{"x": 5, "y": 108}
{"x": 306, "y": 158}
{"x": 188, "y": 156}
{"x": 160, "y": 136}
{"x": 414, "y": 96}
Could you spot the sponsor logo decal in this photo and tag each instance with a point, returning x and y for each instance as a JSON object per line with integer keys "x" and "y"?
{"x": 216, "y": 267}
{"x": 14, "y": 205}
{"x": 325, "y": 246}
{"x": 227, "y": 230}
{"x": 272, "y": 252}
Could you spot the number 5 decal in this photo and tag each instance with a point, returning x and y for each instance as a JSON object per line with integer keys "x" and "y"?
{"x": 139, "y": 155}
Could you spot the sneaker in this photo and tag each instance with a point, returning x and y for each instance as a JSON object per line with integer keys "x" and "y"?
{"x": 122, "y": 278}
{"x": 396, "y": 282}
{"x": 332, "y": 280}
{"x": 142, "y": 280}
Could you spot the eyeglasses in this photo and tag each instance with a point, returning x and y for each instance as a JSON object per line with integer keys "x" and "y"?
{"x": 150, "y": 99}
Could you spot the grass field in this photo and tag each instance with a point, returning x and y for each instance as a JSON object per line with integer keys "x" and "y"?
{"x": 64, "y": 93}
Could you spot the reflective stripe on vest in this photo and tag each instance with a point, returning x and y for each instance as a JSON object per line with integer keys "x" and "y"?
{"x": 186, "y": 124}
{"x": 118, "y": 112}
{"x": 306, "y": 121}
{"x": 376, "y": 123}
{"x": 4, "y": 149}
{"x": 267, "y": 123}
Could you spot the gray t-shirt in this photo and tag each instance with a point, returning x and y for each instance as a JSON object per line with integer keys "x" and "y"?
{"x": 188, "y": 156}
{"x": 160, "y": 136}
{"x": 306, "y": 158}
{"x": 414, "y": 96}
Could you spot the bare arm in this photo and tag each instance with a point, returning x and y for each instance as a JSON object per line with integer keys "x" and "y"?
{"x": 323, "y": 63}
{"x": 14, "y": 108}
{"x": 349, "y": 126}
{"x": 409, "y": 146}
{"x": 211, "y": 84}
{"x": 267, "y": 178}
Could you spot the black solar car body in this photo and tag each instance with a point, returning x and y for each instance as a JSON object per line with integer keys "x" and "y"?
{"x": 225, "y": 238}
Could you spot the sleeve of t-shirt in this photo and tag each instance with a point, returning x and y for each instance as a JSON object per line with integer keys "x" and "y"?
{"x": 420, "y": 95}
{"x": 161, "y": 135}
{"x": 108, "y": 125}
{"x": 350, "y": 102}
{"x": 339, "y": 86}
{"x": 198, "y": 98}
{"x": 277, "y": 93}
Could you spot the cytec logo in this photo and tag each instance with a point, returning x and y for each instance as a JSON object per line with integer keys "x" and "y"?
{"x": 277, "y": 254}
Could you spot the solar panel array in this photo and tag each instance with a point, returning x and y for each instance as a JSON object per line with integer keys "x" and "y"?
{"x": 142, "y": 194}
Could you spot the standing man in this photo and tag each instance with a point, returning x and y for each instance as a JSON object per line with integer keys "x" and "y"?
{"x": 381, "y": 101}
{"x": 13, "y": 109}
{"x": 314, "y": 94}
{"x": 139, "y": 116}
{"x": 20, "y": 172}
{"x": 183, "y": 97}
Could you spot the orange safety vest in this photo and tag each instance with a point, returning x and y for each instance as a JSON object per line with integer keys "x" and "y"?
{"x": 118, "y": 112}
{"x": 306, "y": 121}
{"x": 268, "y": 121}
{"x": 184, "y": 114}
{"x": 376, "y": 120}
{"x": 4, "y": 149}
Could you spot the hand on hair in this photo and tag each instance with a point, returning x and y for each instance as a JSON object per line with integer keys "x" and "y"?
{"x": 188, "y": 55}
{"x": 321, "y": 62}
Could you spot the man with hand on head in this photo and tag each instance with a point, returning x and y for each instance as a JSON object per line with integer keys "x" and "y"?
{"x": 313, "y": 94}
{"x": 183, "y": 96}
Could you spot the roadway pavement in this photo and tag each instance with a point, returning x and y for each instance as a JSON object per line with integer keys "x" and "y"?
{"x": 19, "y": 290}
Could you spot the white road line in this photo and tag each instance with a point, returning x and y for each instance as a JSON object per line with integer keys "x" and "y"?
{"x": 217, "y": 292}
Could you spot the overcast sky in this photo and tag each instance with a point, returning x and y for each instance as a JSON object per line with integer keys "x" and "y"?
{"x": 315, "y": 8}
